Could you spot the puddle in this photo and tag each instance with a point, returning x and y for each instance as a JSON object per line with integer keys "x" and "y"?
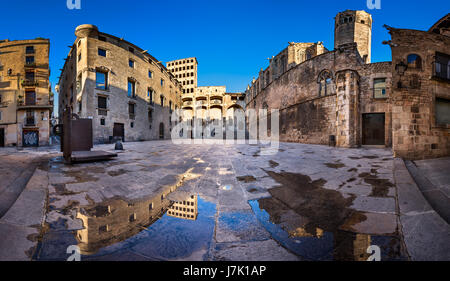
{"x": 246, "y": 179}
{"x": 154, "y": 229}
{"x": 309, "y": 220}
{"x": 273, "y": 164}
{"x": 380, "y": 187}
{"x": 117, "y": 173}
{"x": 334, "y": 165}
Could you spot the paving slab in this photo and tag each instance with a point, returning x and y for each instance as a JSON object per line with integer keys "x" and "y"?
{"x": 374, "y": 204}
{"x": 267, "y": 250}
{"x": 427, "y": 237}
{"x": 14, "y": 242}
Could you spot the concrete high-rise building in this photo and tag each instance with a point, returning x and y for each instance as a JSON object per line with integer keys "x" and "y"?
{"x": 26, "y": 101}
{"x": 186, "y": 209}
{"x": 185, "y": 71}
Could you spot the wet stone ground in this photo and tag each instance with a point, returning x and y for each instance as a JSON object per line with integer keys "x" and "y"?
{"x": 160, "y": 201}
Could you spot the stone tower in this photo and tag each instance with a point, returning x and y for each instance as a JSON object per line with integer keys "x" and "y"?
{"x": 354, "y": 27}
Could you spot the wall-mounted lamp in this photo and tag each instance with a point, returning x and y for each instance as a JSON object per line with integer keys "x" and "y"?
{"x": 401, "y": 68}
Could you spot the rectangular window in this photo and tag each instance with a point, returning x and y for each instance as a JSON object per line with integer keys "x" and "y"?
{"x": 101, "y": 52}
{"x": 442, "y": 66}
{"x": 131, "y": 63}
{"x": 102, "y": 106}
{"x": 30, "y": 98}
{"x": 150, "y": 74}
{"x": 79, "y": 56}
{"x": 162, "y": 100}
{"x": 442, "y": 111}
{"x": 103, "y": 228}
{"x": 379, "y": 88}
{"x": 131, "y": 50}
{"x": 162, "y": 82}
{"x": 101, "y": 80}
{"x": 102, "y": 102}
{"x": 131, "y": 89}
{"x": 150, "y": 95}
{"x": 29, "y": 60}
{"x": 29, "y": 76}
{"x": 29, "y": 50}
{"x": 131, "y": 110}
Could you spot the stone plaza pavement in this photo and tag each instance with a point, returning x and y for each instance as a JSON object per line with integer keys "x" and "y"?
{"x": 303, "y": 202}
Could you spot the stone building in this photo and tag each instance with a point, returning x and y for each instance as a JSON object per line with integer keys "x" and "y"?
{"x": 26, "y": 101}
{"x": 185, "y": 71}
{"x": 126, "y": 91}
{"x": 211, "y": 102}
{"x": 338, "y": 97}
{"x": 421, "y": 91}
{"x": 331, "y": 96}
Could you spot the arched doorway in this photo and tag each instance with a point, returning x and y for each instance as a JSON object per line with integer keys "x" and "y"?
{"x": 235, "y": 121}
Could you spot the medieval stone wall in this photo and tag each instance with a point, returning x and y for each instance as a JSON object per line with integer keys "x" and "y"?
{"x": 416, "y": 134}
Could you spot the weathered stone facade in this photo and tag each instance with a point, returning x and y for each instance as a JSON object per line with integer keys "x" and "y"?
{"x": 313, "y": 108}
{"x": 421, "y": 91}
{"x": 126, "y": 91}
{"x": 26, "y": 101}
{"x": 339, "y": 98}
{"x": 211, "y": 102}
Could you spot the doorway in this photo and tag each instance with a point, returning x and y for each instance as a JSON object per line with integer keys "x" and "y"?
{"x": 119, "y": 131}
{"x": 161, "y": 130}
{"x": 30, "y": 138}
{"x": 373, "y": 128}
{"x": 2, "y": 137}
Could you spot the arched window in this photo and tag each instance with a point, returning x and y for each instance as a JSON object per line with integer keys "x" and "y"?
{"x": 414, "y": 61}
{"x": 325, "y": 83}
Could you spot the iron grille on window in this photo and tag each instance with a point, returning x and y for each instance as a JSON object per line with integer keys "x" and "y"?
{"x": 441, "y": 67}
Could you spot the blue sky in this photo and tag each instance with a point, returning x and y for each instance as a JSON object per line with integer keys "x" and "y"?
{"x": 231, "y": 39}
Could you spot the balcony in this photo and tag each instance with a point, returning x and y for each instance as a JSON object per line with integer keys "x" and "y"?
{"x": 200, "y": 102}
{"x": 30, "y": 64}
{"x": 30, "y": 83}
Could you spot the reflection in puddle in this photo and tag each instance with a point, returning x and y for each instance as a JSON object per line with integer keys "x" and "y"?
{"x": 154, "y": 229}
{"x": 317, "y": 244}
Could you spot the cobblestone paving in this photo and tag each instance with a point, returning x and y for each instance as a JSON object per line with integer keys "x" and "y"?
{"x": 306, "y": 202}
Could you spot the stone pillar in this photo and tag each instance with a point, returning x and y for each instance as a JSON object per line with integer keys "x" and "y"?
{"x": 347, "y": 109}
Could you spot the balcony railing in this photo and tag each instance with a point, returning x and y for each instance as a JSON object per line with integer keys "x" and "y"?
{"x": 216, "y": 102}
{"x": 102, "y": 111}
{"x": 30, "y": 83}
{"x": 30, "y": 64}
